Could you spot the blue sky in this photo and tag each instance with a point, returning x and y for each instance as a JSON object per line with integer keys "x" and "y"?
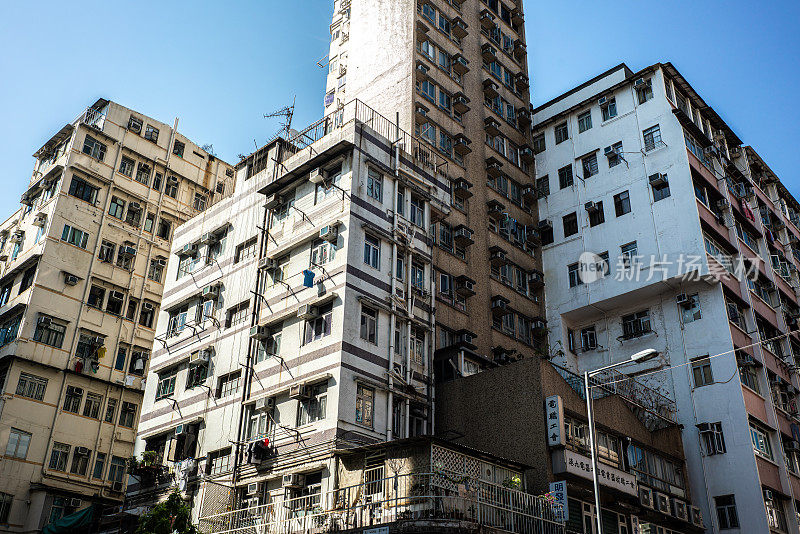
{"x": 219, "y": 66}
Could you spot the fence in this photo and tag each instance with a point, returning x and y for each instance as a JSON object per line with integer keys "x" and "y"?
{"x": 418, "y": 497}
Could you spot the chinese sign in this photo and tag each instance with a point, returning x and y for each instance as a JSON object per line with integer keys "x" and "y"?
{"x": 554, "y": 420}
{"x": 577, "y": 464}
{"x": 558, "y": 490}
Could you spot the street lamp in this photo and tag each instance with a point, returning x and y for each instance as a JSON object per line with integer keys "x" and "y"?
{"x": 639, "y": 357}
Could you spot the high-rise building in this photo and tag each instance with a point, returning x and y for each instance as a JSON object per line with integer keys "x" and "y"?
{"x": 81, "y": 278}
{"x": 662, "y": 230}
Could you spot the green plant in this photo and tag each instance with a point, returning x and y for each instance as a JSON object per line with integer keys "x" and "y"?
{"x": 172, "y": 516}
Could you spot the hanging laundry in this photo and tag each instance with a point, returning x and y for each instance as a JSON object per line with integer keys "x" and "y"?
{"x": 308, "y": 278}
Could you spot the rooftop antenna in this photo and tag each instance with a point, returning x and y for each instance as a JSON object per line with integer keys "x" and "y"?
{"x": 323, "y": 62}
{"x": 287, "y": 113}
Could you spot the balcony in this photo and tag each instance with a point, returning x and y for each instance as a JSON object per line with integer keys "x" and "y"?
{"x": 459, "y": 27}
{"x": 417, "y": 502}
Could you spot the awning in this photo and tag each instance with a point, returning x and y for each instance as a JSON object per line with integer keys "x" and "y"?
{"x": 73, "y": 523}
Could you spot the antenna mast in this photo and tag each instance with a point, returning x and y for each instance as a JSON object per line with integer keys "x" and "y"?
{"x": 287, "y": 113}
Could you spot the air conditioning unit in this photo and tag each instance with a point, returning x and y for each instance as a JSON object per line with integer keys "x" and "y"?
{"x": 82, "y": 451}
{"x": 148, "y": 306}
{"x": 538, "y": 324}
{"x": 639, "y": 82}
{"x": 40, "y": 219}
{"x": 44, "y": 321}
{"x": 294, "y": 480}
{"x": 657, "y": 179}
{"x": 128, "y": 251}
{"x": 680, "y": 510}
{"x": 267, "y": 264}
{"x": 329, "y": 232}
{"x": 545, "y": 224}
{"x": 161, "y": 262}
{"x": 768, "y": 495}
{"x": 273, "y": 201}
{"x": 199, "y": 356}
{"x": 70, "y": 279}
{"x": 259, "y": 332}
{"x": 135, "y": 125}
{"x": 117, "y": 486}
{"x": 602, "y": 101}
{"x": 211, "y": 291}
{"x": 609, "y": 151}
{"x": 17, "y": 237}
{"x": 422, "y": 110}
{"x": 306, "y": 311}
{"x": 180, "y": 430}
{"x": 207, "y": 238}
{"x": 682, "y": 299}
{"x": 189, "y": 248}
{"x": 722, "y": 204}
{"x": 696, "y": 516}
{"x": 266, "y": 403}
{"x": 661, "y": 502}
{"x": 317, "y": 176}
{"x": 75, "y": 503}
{"x": 207, "y": 353}
{"x": 591, "y": 207}
{"x": 646, "y": 497}
{"x": 792, "y": 445}
{"x": 134, "y": 206}
{"x": 252, "y": 488}
{"x": 298, "y": 391}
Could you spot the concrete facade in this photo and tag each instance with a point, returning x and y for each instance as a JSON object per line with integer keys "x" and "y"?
{"x": 680, "y": 194}
{"x": 82, "y": 278}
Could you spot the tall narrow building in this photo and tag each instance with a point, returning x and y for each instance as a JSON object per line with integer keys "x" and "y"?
{"x": 665, "y": 231}
{"x": 81, "y": 275}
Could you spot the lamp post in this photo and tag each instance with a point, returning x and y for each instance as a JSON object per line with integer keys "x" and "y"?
{"x": 639, "y": 357}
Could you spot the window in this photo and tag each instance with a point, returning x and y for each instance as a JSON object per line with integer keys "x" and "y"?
{"x": 171, "y": 187}
{"x": 417, "y": 211}
{"x": 6, "y": 500}
{"x": 197, "y": 375}
{"x": 237, "y": 314}
{"x": 573, "y": 271}
{"x": 218, "y": 461}
{"x": 561, "y": 133}
{"x": 585, "y": 121}
{"x": 375, "y": 185}
{"x": 106, "y": 252}
{"x": 661, "y": 190}
{"x": 589, "y": 164}
{"x": 570, "y": 224}
{"x": 597, "y": 215}
{"x": 322, "y": 252}
{"x": 58, "y": 456}
{"x": 726, "y": 512}
{"x": 701, "y": 371}
{"x": 690, "y": 310}
{"x": 156, "y": 270}
{"x": 417, "y": 276}
{"x": 80, "y": 461}
{"x": 712, "y": 438}
{"x": 365, "y": 400}
{"x": 94, "y": 148}
{"x": 151, "y": 134}
{"x": 636, "y": 324}
{"x": 628, "y": 254}
{"x": 588, "y": 339}
{"x": 164, "y": 229}
{"x": 147, "y": 315}
{"x": 539, "y": 145}
{"x": 319, "y": 326}
{"x": 622, "y": 203}
{"x": 158, "y": 179}
{"x": 116, "y": 470}
{"x": 83, "y": 190}
{"x": 229, "y": 384}
{"x": 31, "y": 386}
{"x": 609, "y": 109}
{"x": 761, "y": 441}
{"x": 149, "y": 222}
{"x": 127, "y": 415}
{"x": 246, "y": 250}
{"x": 116, "y": 299}
{"x": 652, "y": 138}
{"x": 99, "y": 465}
{"x": 18, "y": 442}
{"x": 166, "y": 383}
{"x": 48, "y": 332}
{"x": 178, "y": 148}
{"x": 134, "y": 215}
{"x": 369, "y": 324}
{"x": 111, "y": 411}
{"x": 72, "y": 399}
{"x": 91, "y": 408}
{"x": 372, "y": 252}
{"x": 27, "y": 279}
{"x": 73, "y": 236}
{"x": 565, "y": 177}
{"x": 126, "y": 166}
{"x": 312, "y": 408}
{"x": 644, "y": 92}
{"x": 260, "y": 422}
{"x": 200, "y": 201}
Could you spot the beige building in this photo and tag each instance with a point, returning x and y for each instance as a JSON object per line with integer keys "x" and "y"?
{"x": 81, "y": 278}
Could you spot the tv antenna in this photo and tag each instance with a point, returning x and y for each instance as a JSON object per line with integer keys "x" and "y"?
{"x": 285, "y": 112}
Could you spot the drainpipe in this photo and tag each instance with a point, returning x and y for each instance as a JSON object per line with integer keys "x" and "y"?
{"x": 393, "y": 315}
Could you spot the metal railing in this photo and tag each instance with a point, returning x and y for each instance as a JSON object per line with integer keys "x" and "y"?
{"x": 612, "y": 382}
{"x": 423, "y": 154}
{"x": 423, "y": 498}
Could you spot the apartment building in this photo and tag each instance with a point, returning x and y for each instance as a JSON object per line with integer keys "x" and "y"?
{"x": 454, "y": 73}
{"x": 82, "y": 270}
{"x": 660, "y": 229}
{"x": 540, "y": 421}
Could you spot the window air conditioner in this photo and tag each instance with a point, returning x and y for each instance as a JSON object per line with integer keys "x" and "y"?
{"x": 768, "y": 495}
{"x": 267, "y": 264}
{"x": 129, "y": 251}
{"x": 211, "y": 291}
{"x": 696, "y": 516}
{"x": 591, "y": 207}
{"x": 189, "y": 248}
{"x": 639, "y": 82}
{"x": 44, "y": 321}
{"x": 82, "y": 451}
{"x": 722, "y": 204}
{"x": 148, "y": 306}
{"x": 118, "y": 295}
{"x": 682, "y": 299}
{"x": 40, "y": 219}
{"x": 134, "y": 206}
{"x": 161, "y": 262}
{"x": 545, "y": 224}
{"x": 329, "y": 232}
{"x": 646, "y": 497}
{"x": 207, "y": 238}
{"x": 259, "y": 332}
{"x": 295, "y": 480}
{"x": 117, "y": 486}
{"x": 317, "y": 176}
{"x": 680, "y": 510}
{"x": 70, "y": 279}
{"x": 180, "y": 430}
{"x": 657, "y": 179}
{"x": 266, "y": 403}
{"x": 273, "y": 201}
{"x": 609, "y": 151}
{"x": 252, "y": 488}
{"x": 661, "y": 502}
{"x": 602, "y": 101}
{"x": 298, "y": 391}
{"x": 306, "y": 311}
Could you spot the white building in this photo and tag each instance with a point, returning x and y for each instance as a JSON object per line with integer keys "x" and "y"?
{"x": 638, "y": 169}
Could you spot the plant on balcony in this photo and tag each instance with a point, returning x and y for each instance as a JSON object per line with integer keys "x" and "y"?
{"x": 147, "y": 469}
{"x": 169, "y": 517}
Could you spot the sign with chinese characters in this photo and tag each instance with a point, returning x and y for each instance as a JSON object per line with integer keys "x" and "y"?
{"x": 636, "y": 528}
{"x": 379, "y": 530}
{"x": 554, "y": 420}
{"x": 558, "y": 490}
{"x": 579, "y": 465}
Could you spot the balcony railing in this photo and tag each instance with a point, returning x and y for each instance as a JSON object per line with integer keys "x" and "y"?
{"x": 429, "y": 499}
{"x": 653, "y": 409}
